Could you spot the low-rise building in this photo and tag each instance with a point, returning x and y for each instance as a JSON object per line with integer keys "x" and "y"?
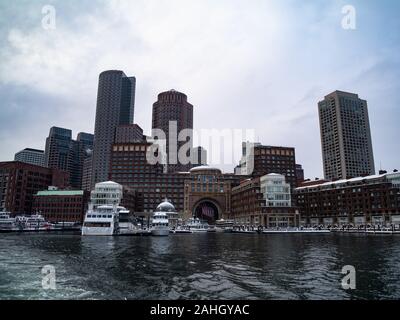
{"x": 370, "y": 200}
{"x": 264, "y": 201}
{"x": 61, "y": 205}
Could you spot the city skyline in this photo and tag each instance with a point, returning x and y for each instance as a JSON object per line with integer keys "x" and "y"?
{"x": 62, "y": 91}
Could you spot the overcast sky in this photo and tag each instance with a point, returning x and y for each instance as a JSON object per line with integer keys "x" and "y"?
{"x": 243, "y": 64}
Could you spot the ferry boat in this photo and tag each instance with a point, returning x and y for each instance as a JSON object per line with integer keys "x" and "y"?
{"x": 102, "y": 221}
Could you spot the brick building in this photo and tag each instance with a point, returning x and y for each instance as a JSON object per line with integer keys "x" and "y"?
{"x": 126, "y": 133}
{"x": 208, "y": 193}
{"x": 130, "y": 168}
{"x": 373, "y": 200}
{"x": 19, "y": 182}
{"x": 261, "y": 160}
{"x": 172, "y": 107}
{"x": 61, "y": 205}
{"x": 264, "y": 201}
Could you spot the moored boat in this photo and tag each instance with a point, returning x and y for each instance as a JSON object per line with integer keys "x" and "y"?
{"x": 102, "y": 221}
{"x": 197, "y": 226}
{"x": 244, "y": 229}
{"x": 224, "y": 225}
{"x": 7, "y": 223}
{"x": 160, "y": 222}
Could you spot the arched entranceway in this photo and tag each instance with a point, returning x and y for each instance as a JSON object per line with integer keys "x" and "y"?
{"x": 207, "y": 210}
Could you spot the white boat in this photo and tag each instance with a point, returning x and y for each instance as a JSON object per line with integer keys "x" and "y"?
{"x": 7, "y": 223}
{"x": 24, "y": 223}
{"x": 160, "y": 220}
{"x": 182, "y": 230}
{"x": 159, "y": 224}
{"x": 102, "y": 221}
{"x": 244, "y": 229}
{"x": 224, "y": 225}
{"x": 125, "y": 223}
{"x": 35, "y": 222}
{"x": 382, "y": 230}
{"x": 196, "y": 225}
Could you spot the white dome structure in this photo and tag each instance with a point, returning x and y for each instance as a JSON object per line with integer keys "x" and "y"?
{"x": 165, "y": 206}
{"x": 204, "y": 168}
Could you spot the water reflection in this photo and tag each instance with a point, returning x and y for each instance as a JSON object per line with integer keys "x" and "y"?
{"x": 200, "y": 266}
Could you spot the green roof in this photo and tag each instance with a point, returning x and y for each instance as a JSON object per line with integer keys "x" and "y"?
{"x": 60, "y": 193}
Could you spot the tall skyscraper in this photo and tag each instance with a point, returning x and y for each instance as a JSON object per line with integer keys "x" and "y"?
{"x": 87, "y": 172}
{"x": 58, "y": 148}
{"x": 115, "y": 106}
{"x": 32, "y": 156}
{"x": 345, "y": 136}
{"x": 172, "y": 106}
{"x": 64, "y": 153}
{"x": 82, "y": 149}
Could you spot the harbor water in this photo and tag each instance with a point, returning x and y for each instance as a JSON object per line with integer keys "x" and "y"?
{"x": 199, "y": 266}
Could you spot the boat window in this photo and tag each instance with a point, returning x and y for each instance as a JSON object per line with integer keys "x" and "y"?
{"x": 97, "y": 224}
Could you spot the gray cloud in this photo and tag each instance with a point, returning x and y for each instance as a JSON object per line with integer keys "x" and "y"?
{"x": 261, "y": 65}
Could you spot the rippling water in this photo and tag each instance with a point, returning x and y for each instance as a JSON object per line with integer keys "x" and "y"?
{"x": 200, "y": 266}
